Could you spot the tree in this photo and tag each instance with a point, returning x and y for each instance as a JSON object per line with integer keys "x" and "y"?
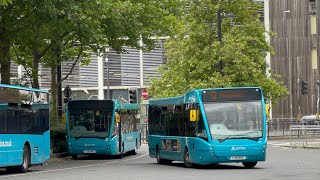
{"x": 12, "y": 22}
{"x": 62, "y": 30}
{"x": 193, "y": 55}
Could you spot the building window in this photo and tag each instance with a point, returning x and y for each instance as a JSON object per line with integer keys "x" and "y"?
{"x": 312, "y": 6}
{"x": 314, "y": 58}
{"x": 313, "y": 24}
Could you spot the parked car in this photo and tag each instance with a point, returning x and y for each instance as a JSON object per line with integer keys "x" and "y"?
{"x": 310, "y": 120}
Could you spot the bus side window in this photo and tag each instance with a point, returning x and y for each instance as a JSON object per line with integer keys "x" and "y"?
{"x": 3, "y": 121}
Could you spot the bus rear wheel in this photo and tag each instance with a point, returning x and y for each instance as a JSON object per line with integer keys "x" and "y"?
{"x": 249, "y": 164}
{"x": 26, "y": 161}
{"x": 186, "y": 159}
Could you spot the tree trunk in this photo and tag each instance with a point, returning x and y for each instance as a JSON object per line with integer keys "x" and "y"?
{"x": 35, "y": 68}
{"x": 53, "y": 107}
{"x": 5, "y": 56}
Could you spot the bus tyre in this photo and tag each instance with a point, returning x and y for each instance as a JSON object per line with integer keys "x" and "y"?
{"x": 74, "y": 157}
{"x": 186, "y": 159}
{"x": 159, "y": 160}
{"x": 120, "y": 156}
{"x": 25, "y": 161}
{"x": 249, "y": 164}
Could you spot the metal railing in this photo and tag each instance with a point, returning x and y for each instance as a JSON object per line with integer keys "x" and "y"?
{"x": 280, "y": 126}
{"x": 275, "y": 128}
{"x": 308, "y": 135}
{"x": 144, "y": 132}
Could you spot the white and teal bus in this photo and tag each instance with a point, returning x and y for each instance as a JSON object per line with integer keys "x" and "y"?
{"x": 209, "y": 126}
{"x": 24, "y": 127}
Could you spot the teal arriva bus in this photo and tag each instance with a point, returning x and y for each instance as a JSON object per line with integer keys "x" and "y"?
{"x": 102, "y": 127}
{"x": 24, "y": 127}
{"x": 209, "y": 126}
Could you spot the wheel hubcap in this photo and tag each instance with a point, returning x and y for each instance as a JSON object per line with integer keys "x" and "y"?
{"x": 25, "y": 160}
{"x": 187, "y": 157}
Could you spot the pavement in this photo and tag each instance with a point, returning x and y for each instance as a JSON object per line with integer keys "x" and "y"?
{"x": 311, "y": 143}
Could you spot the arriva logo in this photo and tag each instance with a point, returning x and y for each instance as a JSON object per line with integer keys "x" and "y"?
{"x": 6, "y": 143}
{"x": 85, "y": 144}
{"x": 238, "y": 148}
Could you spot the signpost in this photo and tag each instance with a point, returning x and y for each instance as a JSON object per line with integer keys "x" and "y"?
{"x": 145, "y": 94}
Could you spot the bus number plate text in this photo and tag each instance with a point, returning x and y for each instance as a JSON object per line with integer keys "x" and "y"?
{"x": 237, "y": 158}
{"x": 90, "y": 151}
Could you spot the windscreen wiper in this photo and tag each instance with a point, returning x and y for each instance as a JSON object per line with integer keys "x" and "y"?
{"x": 228, "y": 137}
{"x": 251, "y": 138}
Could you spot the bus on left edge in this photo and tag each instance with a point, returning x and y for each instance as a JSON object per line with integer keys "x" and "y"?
{"x": 24, "y": 127}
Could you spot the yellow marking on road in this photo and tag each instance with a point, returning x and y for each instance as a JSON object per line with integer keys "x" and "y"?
{"x": 71, "y": 168}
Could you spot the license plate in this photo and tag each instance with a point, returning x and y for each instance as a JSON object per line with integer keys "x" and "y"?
{"x": 237, "y": 158}
{"x": 90, "y": 151}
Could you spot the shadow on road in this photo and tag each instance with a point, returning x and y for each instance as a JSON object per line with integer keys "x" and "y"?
{"x": 4, "y": 172}
{"x": 207, "y": 167}
{"x": 101, "y": 157}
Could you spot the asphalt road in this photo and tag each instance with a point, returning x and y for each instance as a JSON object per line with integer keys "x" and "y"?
{"x": 282, "y": 163}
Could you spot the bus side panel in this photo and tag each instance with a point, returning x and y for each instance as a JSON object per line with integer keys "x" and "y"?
{"x": 46, "y": 146}
{"x": 3, "y": 150}
{"x": 130, "y": 140}
{"x": 14, "y": 149}
{"x": 11, "y": 148}
{"x": 36, "y": 147}
{"x": 201, "y": 152}
{"x": 171, "y": 148}
{"x": 153, "y": 141}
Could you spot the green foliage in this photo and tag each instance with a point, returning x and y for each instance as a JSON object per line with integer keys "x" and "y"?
{"x": 58, "y": 139}
{"x": 193, "y": 55}
{"x": 5, "y": 2}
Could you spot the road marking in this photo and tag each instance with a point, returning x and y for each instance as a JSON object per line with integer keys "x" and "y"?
{"x": 71, "y": 168}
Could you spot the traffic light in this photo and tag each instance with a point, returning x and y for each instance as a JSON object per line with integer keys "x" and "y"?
{"x": 304, "y": 88}
{"x": 133, "y": 95}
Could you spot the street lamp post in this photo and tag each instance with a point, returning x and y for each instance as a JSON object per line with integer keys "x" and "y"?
{"x": 59, "y": 77}
{"x": 219, "y": 37}
{"x": 106, "y": 60}
{"x": 219, "y": 22}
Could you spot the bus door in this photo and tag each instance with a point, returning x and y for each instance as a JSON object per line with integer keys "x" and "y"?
{"x": 119, "y": 131}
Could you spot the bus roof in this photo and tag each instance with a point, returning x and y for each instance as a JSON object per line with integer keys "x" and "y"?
{"x": 23, "y": 88}
{"x": 125, "y": 106}
{"x": 189, "y": 96}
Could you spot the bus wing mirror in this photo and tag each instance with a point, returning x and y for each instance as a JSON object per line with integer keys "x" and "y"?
{"x": 194, "y": 115}
{"x": 117, "y": 118}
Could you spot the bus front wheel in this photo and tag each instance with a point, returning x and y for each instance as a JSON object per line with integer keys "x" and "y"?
{"x": 249, "y": 164}
{"x": 120, "y": 156}
{"x": 159, "y": 160}
{"x": 186, "y": 159}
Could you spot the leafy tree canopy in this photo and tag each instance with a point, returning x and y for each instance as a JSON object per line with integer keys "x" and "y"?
{"x": 193, "y": 55}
